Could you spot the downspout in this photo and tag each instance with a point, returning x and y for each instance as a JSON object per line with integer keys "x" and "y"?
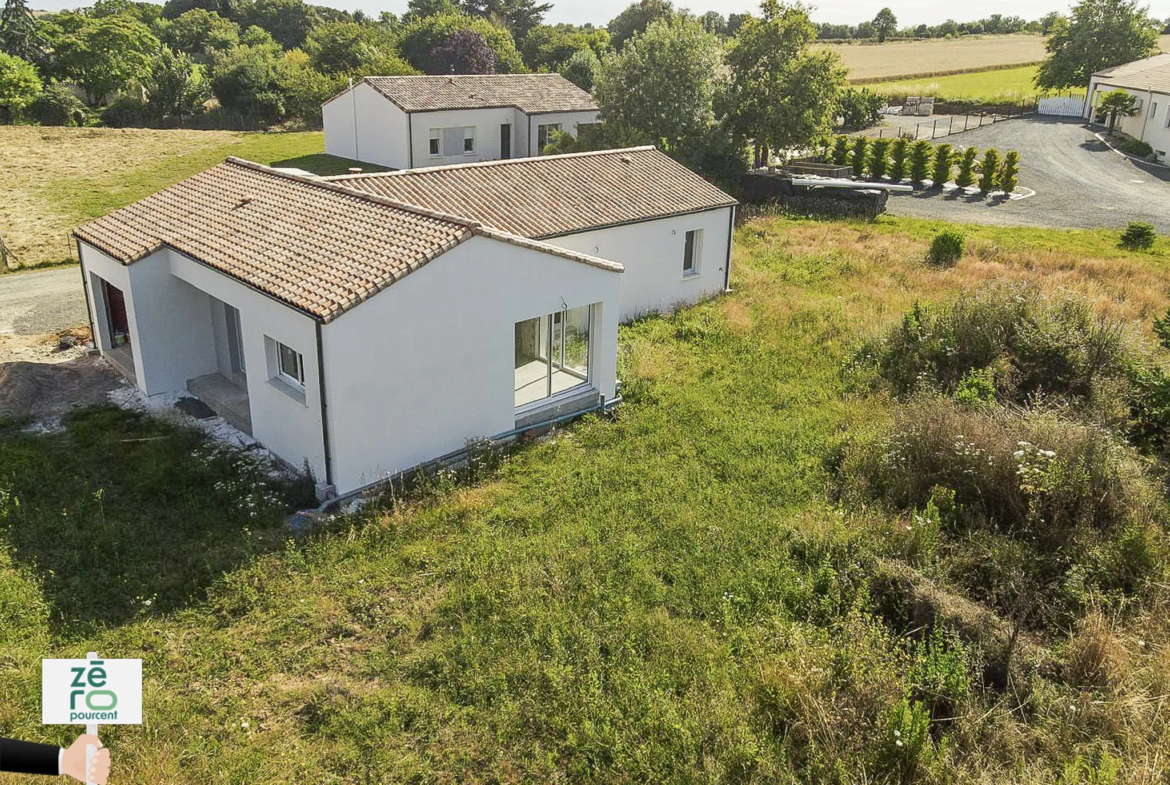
{"x": 730, "y": 235}
{"x": 324, "y": 409}
{"x": 1149, "y": 108}
{"x": 357, "y": 153}
{"x": 410, "y": 139}
{"x": 88, "y": 302}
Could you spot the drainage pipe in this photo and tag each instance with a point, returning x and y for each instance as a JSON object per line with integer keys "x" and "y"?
{"x": 852, "y": 185}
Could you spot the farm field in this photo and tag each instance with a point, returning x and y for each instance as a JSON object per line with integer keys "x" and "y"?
{"x": 872, "y": 62}
{"x": 58, "y": 178}
{"x": 1007, "y": 85}
{"x": 687, "y": 591}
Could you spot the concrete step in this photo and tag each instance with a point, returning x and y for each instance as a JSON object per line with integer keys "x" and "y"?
{"x": 226, "y": 398}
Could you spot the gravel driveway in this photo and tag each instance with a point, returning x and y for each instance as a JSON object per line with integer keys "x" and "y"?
{"x": 1079, "y": 182}
{"x": 34, "y": 303}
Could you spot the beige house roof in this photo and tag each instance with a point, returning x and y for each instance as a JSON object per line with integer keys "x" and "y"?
{"x": 530, "y": 93}
{"x": 552, "y": 195}
{"x": 1153, "y": 73}
{"x": 316, "y": 246}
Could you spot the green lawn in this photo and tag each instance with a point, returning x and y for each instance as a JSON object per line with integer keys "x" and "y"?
{"x": 670, "y": 594}
{"x": 1006, "y": 85}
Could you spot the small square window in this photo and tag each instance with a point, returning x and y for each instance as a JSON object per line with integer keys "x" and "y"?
{"x": 290, "y": 365}
{"x": 469, "y": 140}
{"x": 691, "y": 252}
{"x": 434, "y": 143}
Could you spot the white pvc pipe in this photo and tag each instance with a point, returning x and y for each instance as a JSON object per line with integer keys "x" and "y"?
{"x": 853, "y": 185}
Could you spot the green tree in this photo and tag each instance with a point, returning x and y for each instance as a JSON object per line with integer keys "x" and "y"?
{"x": 106, "y": 55}
{"x": 20, "y": 34}
{"x": 886, "y": 24}
{"x": 899, "y": 152}
{"x": 636, "y": 19}
{"x": 517, "y": 16}
{"x": 879, "y": 159}
{"x": 659, "y": 88}
{"x": 919, "y": 161}
{"x": 19, "y": 86}
{"x": 1100, "y": 35}
{"x": 289, "y": 21}
{"x": 421, "y": 36}
{"x": 1117, "y": 103}
{"x": 581, "y": 69}
{"x": 1009, "y": 177}
{"x": 781, "y": 95}
{"x": 305, "y": 88}
{"x": 465, "y": 52}
{"x": 352, "y": 49}
{"x": 548, "y": 47}
{"x": 200, "y": 33}
{"x": 840, "y": 153}
{"x": 860, "y": 155}
{"x": 715, "y": 23}
{"x": 944, "y": 159}
{"x": 245, "y": 80}
{"x": 966, "y": 175}
{"x": 989, "y": 170}
{"x": 176, "y": 86}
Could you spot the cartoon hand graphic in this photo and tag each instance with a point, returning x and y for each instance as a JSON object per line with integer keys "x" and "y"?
{"x": 73, "y": 761}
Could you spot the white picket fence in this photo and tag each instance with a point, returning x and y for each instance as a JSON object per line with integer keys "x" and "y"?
{"x": 1063, "y": 106}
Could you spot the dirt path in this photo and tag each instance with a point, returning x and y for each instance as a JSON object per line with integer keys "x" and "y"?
{"x": 36, "y": 303}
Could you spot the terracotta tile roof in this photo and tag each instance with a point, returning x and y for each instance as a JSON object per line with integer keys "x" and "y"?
{"x": 1153, "y": 73}
{"x": 530, "y": 93}
{"x": 316, "y": 246}
{"x": 552, "y": 195}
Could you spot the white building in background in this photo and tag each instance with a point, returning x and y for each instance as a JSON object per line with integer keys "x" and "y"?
{"x": 403, "y": 122}
{"x": 1148, "y": 81}
{"x": 363, "y": 326}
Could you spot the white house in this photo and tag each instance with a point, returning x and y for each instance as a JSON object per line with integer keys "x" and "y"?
{"x": 667, "y": 226}
{"x": 347, "y": 332}
{"x": 1148, "y": 81}
{"x": 406, "y": 121}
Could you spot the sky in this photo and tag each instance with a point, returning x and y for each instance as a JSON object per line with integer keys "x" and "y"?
{"x": 843, "y": 11}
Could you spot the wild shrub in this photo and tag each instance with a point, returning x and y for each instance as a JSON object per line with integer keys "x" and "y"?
{"x": 907, "y": 745}
{"x": 1095, "y": 657}
{"x": 858, "y": 158}
{"x": 1010, "y": 174}
{"x": 946, "y": 248}
{"x": 840, "y": 153}
{"x": 966, "y": 176}
{"x": 939, "y": 672}
{"x": 919, "y": 161}
{"x": 56, "y": 105}
{"x": 879, "y": 159}
{"x": 1032, "y": 343}
{"x": 975, "y": 390}
{"x": 989, "y": 170}
{"x": 1138, "y": 236}
{"x": 899, "y": 151}
{"x": 940, "y": 174}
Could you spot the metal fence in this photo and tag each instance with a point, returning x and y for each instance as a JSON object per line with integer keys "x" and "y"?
{"x": 946, "y": 125}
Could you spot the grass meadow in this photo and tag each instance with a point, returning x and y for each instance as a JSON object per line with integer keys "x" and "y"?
{"x": 56, "y": 179}
{"x": 675, "y": 593}
{"x": 1002, "y": 85}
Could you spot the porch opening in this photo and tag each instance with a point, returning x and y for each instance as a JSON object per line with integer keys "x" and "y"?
{"x": 115, "y": 328}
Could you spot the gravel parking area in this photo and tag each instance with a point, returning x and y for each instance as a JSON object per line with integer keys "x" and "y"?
{"x": 1079, "y": 182}
{"x": 39, "y": 302}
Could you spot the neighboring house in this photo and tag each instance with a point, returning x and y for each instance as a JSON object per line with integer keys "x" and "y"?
{"x": 1148, "y": 81}
{"x": 349, "y": 333}
{"x": 666, "y": 225}
{"x": 406, "y": 121}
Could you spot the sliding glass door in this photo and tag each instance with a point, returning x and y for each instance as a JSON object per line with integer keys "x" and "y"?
{"x": 552, "y": 354}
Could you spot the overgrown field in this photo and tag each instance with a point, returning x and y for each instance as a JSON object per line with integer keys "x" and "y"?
{"x": 1002, "y": 85}
{"x": 55, "y": 179}
{"x": 916, "y": 59}
{"x": 804, "y": 550}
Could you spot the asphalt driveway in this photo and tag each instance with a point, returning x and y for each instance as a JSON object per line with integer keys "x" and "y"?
{"x": 1079, "y": 182}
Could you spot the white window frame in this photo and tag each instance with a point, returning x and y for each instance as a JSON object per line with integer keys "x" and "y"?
{"x": 435, "y": 143}
{"x": 297, "y": 381}
{"x": 469, "y": 136}
{"x": 696, "y": 253}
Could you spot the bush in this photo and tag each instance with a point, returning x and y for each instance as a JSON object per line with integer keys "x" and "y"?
{"x": 947, "y": 247}
{"x": 899, "y": 151}
{"x": 840, "y": 154}
{"x": 966, "y": 176}
{"x": 1138, "y": 236}
{"x": 879, "y": 158}
{"x": 943, "y": 159}
{"x": 919, "y": 161}
{"x": 57, "y": 106}
{"x": 989, "y": 170}
{"x": 126, "y": 111}
{"x": 1136, "y": 147}
{"x": 860, "y": 108}
{"x": 1009, "y": 176}
{"x": 858, "y": 159}
{"x": 938, "y": 674}
{"x": 976, "y": 389}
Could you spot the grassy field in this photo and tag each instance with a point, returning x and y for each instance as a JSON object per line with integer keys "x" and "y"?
{"x": 872, "y": 62}
{"x": 48, "y": 192}
{"x": 673, "y": 594}
{"x": 1009, "y": 84}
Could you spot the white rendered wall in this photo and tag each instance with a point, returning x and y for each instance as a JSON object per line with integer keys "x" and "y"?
{"x": 288, "y": 425}
{"x": 429, "y": 363}
{"x": 94, "y": 263}
{"x": 652, "y": 252}
{"x": 486, "y": 122}
{"x": 382, "y": 135}
{"x": 568, "y": 121}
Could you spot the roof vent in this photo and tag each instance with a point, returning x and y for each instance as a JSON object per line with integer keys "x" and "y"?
{"x": 355, "y": 170}
{"x": 625, "y": 159}
{"x": 450, "y": 80}
{"x": 246, "y": 200}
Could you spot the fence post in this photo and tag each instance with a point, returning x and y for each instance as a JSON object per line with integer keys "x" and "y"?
{"x": 933, "y": 130}
{"x": 951, "y": 126}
